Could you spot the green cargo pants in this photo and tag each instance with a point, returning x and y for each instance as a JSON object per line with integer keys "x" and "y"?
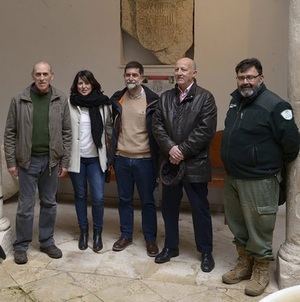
{"x": 250, "y": 210}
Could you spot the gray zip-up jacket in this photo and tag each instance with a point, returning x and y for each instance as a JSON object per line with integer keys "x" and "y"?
{"x": 18, "y": 130}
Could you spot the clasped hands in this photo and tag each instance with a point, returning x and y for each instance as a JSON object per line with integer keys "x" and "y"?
{"x": 176, "y": 155}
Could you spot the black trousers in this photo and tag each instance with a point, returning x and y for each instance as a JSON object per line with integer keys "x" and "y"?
{"x": 197, "y": 195}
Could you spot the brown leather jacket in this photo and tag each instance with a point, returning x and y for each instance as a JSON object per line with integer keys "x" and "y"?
{"x": 190, "y": 124}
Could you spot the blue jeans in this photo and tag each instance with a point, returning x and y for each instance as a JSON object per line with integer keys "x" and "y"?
{"x": 139, "y": 171}
{"x": 197, "y": 195}
{"x": 90, "y": 172}
{"x": 36, "y": 176}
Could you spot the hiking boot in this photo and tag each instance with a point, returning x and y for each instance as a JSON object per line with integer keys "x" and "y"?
{"x": 260, "y": 278}
{"x": 242, "y": 269}
{"x": 52, "y": 251}
{"x": 20, "y": 257}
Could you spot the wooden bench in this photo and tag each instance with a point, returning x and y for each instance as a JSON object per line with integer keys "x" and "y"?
{"x": 218, "y": 172}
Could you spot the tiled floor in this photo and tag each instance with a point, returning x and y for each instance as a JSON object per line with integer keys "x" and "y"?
{"x": 124, "y": 276}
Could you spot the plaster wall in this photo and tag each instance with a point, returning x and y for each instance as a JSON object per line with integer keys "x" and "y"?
{"x": 73, "y": 34}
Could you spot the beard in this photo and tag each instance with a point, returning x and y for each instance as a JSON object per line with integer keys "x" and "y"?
{"x": 247, "y": 90}
{"x": 132, "y": 85}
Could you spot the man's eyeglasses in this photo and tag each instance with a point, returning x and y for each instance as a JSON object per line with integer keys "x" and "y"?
{"x": 249, "y": 78}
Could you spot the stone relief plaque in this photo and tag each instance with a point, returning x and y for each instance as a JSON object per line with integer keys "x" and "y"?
{"x": 165, "y": 27}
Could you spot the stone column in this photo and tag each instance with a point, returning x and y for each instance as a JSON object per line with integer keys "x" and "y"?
{"x": 288, "y": 261}
{"x": 5, "y": 230}
{"x": 4, "y": 222}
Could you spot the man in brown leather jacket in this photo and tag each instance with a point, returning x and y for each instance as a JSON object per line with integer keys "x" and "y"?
{"x": 183, "y": 126}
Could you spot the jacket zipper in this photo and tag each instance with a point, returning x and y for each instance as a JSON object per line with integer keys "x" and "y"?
{"x": 239, "y": 117}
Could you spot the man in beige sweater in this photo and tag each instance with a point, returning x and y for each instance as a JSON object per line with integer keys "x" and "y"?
{"x": 135, "y": 156}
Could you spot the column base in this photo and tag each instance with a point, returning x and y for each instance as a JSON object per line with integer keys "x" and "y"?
{"x": 288, "y": 265}
{"x": 4, "y": 224}
{"x": 6, "y": 241}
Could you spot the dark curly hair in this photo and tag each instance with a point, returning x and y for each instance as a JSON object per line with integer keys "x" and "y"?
{"x": 135, "y": 64}
{"x": 88, "y": 77}
{"x": 248, "y": 63}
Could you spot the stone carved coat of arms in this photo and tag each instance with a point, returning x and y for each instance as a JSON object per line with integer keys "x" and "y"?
{"x": 165, "y": 27}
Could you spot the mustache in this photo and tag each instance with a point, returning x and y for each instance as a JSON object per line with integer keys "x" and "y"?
{"x": 246, "y": 86}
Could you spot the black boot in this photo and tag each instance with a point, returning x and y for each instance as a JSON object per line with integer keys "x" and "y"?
{"x": 2, "y": 253}
{"x": 97, "y": 244}
{"x": 83, "y": 239}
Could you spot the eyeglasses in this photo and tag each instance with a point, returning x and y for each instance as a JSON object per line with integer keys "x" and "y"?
{"x": 249, "y": 78}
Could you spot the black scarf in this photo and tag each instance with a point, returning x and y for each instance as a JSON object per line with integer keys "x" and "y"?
{"x": 92, "y": 102}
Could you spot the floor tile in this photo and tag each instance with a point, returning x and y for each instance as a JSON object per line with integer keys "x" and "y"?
{"x": 129, "y": 275}
{"x": 14, "y": 294}
{"x": 60, "y": 287}
{"x": 6, "y": 279}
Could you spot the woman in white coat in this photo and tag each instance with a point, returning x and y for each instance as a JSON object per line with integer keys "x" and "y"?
{"x": 91, "y": 123}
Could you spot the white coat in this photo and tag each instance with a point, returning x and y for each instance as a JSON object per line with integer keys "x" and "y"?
{"x": 75, "y": 113}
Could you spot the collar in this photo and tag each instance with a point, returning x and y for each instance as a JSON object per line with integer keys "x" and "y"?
{"x": 138, "y": 96}
{"x": 186, "y": 91}
{"x": 34, "y": 89}
{"x": 191, "y": 92}
{"x": 237, "y": 95}
{"x": 151, "y": 96}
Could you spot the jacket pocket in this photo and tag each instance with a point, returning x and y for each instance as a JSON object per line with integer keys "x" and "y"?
{"x": 253, "y": 155}
{"x": 56, "y": 131}
{"x": 267, "y": 196}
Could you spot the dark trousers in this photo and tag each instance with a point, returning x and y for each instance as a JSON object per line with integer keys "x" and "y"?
{"x": 37, "y": 176}
{"x": 90, "y": 173}
{"x": 197, "y": 195}
{"x": 139, "y": 171}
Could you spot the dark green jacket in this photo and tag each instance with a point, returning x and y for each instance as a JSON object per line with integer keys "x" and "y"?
{"x": 260, "y": 134}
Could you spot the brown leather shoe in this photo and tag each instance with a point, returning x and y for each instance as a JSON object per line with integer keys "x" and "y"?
{"x": 121, "y": 244}
{"x": 152, "y": 249}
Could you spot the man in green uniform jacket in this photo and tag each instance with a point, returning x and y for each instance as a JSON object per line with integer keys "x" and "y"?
{"x": 260, "y": 136}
